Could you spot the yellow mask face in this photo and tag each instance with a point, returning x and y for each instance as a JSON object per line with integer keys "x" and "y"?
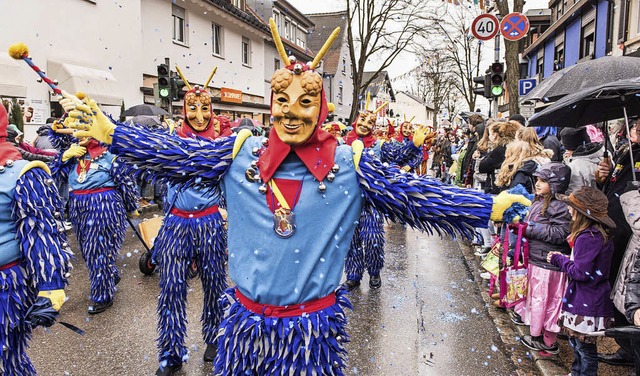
{"x": 365, "y": 123}
{"x": 407, "y": 129}
{"x": 295, "y": 105}
{"x": 198, "y": 109}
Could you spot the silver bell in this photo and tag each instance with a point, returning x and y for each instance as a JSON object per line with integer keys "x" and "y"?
{"x": 255, "y": 151}
{"x": 265, "y": 141}
{"x": 335, "y": 168}
{"x": 339, "y": 338}
{"x": 49, "y": 182}
{"x": 254, "y": 164}
{"x": 263, "y": 189}
{"x": 322, "y": 187}
{"x": 331, "y": 176}
{"x": 297, "y": 68}
{"x": 9, "y": 163}
{"x": 2, "y": 169}
{"x": 56, "y": 214}
{"x": 292, "y": 59}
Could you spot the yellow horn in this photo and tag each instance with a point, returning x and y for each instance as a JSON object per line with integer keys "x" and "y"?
{"x": 381, "y": 107}
{"x": 325, "y": 48}
{"x": 215, "y": 69}
{"x": 410, "y": 120}
{"x": 186, "y": 83}
{"x": 278, "y": 42}
{"x": 366, "y": 104}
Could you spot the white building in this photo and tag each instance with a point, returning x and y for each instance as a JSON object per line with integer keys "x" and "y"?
{"x": 111, "y": 50}
{"x": 409, "y": 106}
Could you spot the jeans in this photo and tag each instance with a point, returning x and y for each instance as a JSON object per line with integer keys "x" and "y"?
{"x": 585, "y": 358}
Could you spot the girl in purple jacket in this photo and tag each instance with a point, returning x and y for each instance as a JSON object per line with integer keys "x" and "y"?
{"x": 586, "y": 305}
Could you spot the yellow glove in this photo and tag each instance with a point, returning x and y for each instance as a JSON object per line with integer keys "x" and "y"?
{"x": 74, "y": 150}
{"x": 134, "y": 214}
{"x": 91, "y": 122}
{"x": 406, "y": 168}
{"x": 57, "y": 297}
{"x": 420, "y": 135}
{"x": 69, "y": 102}
{"x": 503, "y": 201}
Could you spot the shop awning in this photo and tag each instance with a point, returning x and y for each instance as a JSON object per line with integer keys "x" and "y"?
{"x": 98, "y": 84}
{"x": 12, "y": 82}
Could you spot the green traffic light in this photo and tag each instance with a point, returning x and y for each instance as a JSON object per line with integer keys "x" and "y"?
{"x": 164, "y": 92}
{"x": 497, "y": 90}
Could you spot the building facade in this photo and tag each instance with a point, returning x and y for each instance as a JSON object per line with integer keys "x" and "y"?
{"x": 407, "y": 106}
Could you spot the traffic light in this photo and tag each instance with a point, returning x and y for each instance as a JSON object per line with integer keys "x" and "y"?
{"x": 164, "y": 84}
{"x": 177, "y": 85}
{"x": 485, "y": 89}
{"x": 497, "y": 79}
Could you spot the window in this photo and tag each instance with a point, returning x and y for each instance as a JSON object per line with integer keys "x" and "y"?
{"x": 340, "y": 95}
{"x": 246, "y": 51}
{"x": 216, "y": 39}
{"x": 179, "y": 25}
{"x": 540, "y": 67}
{"x": 276, "y": 64}
{"x": 238, "y": 4}
{"x": 287, "y": 31}
{"x": 588, "y": 39}
{"x": 300, "y": 43}
{"x": 277, "y": 17}
{"x": 558, "y": 58}
{"x": 344, "y": 66}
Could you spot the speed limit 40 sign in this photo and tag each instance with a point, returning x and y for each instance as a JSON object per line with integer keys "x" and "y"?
{"x": 485, "y": 26}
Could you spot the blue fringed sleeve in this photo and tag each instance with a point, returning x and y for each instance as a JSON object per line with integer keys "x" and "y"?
{"x": 60, "y": 170}
{"x": 422, "y": 203}
{"x": 125, "y": 185}
{"x": 37, "y": 211}
{"x": 173, "y": 158}
{"x": 61, "y": 141}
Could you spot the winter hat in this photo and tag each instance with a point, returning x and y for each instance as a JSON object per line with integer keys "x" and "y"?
{"x": 572, "y": 138}
{"x": 591, "y": 203}
{"x": 557, "y": 174}
{"x": 519, "y": 118}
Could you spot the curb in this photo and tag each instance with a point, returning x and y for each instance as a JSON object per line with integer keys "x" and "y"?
{"x": 547, "y": 365}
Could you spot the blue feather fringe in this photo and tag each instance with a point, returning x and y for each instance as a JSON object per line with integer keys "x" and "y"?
{"x": 367, "y": 246}
{"x": 252, "y": 344}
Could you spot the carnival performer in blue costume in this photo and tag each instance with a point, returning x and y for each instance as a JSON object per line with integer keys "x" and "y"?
{"x": 367, "y": 246}
{"x": 192, "y": 231}
{"x": 101, "y": 196}
{"x": 293, "y": 200}
{"x": 34, "y": 253}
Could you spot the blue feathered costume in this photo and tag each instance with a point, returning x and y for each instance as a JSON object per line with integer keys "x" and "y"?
{"x": 192, "y": 231}
{"x": 101, "y": 196}
{"x": 293, "y": 206}
{"x": 34, "y": 253}
{"x": 367, "y": 246}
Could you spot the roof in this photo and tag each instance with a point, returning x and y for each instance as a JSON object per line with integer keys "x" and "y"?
{"x": 325, "y": 24}
{"x": 248, "y": 17}
{"x": 294, "y": 12}
{"x": 380, "y": 79}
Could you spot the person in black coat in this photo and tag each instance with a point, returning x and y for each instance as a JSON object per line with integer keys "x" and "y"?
{"x": 632, "y": 308}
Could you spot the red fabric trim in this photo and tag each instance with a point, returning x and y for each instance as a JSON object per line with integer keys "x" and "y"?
{"x": 4, "y": 122}
{"x": 317, "y": 153}
{"x": 9, "y": 265}
{"x": 368, "y": 141}
{"x": 194, "y": 214}
{"x": 91, "y": 191}
{"x": 286, "y": 311}
{"x": 8, "y": 151}
{"x": 400, "y": 137}
{"x": 94, "y": 148}
{"x": 289, "y": 189}
{"x": 225, "y": 126}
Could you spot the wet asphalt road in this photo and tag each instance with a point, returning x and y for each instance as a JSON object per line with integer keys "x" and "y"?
{"x": 427, "y": 319}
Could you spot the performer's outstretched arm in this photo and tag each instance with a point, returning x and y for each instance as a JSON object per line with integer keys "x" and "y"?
{"x": 422, "y": 203}
{"x": 38, "y": 212}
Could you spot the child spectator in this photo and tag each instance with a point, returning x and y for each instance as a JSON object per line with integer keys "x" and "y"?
{"x": 547, "y": 228}
{"x": 586, "y": 305}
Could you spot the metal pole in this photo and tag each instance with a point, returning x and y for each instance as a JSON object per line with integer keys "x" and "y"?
{"x": 626, "y": 123}
{"x": 490, "y": 105}
{"x": 497, "y": 49}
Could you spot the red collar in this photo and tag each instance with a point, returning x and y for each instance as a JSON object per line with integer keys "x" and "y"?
{"x": 8, "y": 151}
{"x": 185, "y": 131}
{"x": 368, "y": 141}
{"x": 317, "y": 153}
{"x": 94, "y": 148}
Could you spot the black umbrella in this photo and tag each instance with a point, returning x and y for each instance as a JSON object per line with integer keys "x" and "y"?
{"x": 620, "y": 332}
{"x": 539, "y": 93}
{"x": 589, "y": 74}
{"x": 144, "y": 109}
{"x": 614, "y": 100}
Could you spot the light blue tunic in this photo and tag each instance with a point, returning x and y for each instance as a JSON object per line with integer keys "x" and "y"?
{"x": 9, "y": 245}
{"x": 307, "y": 266}
{"x": 98, "y": 173}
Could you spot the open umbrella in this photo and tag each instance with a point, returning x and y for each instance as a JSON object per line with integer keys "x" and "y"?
{"x": 614, "y": 100}
{"x": 144, "y": 109}
{"x": 246, "y": 122}
{"x": 586, "y": 75}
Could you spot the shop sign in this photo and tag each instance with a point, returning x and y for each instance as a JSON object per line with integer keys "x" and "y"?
{"x": 230, "y": 95}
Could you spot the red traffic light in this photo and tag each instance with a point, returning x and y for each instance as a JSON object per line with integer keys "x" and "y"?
{"x": 497, "y": 68}
{"x": 163, "y": 70}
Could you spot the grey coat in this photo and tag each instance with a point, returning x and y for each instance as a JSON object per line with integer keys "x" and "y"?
{"x": 548, "y": 232}
{"x": 630, "y": 203}
{"x": 584, "y": 163}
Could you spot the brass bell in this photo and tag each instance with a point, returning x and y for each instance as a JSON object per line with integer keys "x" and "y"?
{"x": 9, "y": 163}
{"x": 250, "y": 174}
{"x": 322, "y": 187}
{"x": 335, "y": 168}
{"x": 255, "y": 151}
{"x": 263, "y": 189}
{"x": 331, "y": 176}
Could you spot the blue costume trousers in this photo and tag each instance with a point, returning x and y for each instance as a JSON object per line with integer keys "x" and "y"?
{"x": 367, "y": 246}
{"x": 181, "y": 241}
{"x": 99, "y": 222}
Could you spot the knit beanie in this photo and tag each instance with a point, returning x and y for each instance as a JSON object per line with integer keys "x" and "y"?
{"x": 572, "y": 138}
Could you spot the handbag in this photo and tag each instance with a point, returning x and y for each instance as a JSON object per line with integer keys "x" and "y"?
{"x": 491, "y": 262}
{"x": 514, "y": 280}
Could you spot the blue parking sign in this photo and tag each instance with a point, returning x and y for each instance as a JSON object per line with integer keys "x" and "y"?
{"x": 526, "y": 85}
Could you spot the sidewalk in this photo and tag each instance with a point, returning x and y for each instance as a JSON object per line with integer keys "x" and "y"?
{"x": 553, "y": 365}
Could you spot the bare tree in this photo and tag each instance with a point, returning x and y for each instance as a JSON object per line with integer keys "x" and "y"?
{"x": 379, "y": 29}
{"x": 511, "y": 58}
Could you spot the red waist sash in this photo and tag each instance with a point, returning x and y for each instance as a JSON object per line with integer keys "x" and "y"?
{"x": 90, "y": 191}
{"x": 194, "y": 214}
{"x": 286, "y": 311}
{"x": 9, "y": 265}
